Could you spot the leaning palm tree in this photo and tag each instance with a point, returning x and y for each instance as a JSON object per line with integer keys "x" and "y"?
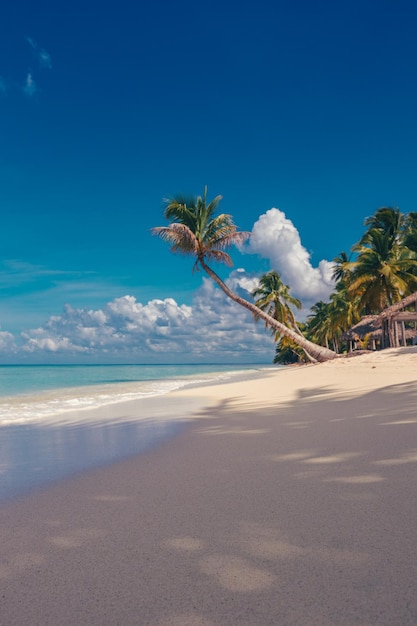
{"x": 275, "y": 300}
{"x": 197, "y": 231}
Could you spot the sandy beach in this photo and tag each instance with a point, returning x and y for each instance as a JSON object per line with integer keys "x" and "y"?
{"x": 289, "y": 499}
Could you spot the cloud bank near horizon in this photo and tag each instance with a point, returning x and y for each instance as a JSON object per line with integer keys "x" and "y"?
{"x": 212, "y": 328}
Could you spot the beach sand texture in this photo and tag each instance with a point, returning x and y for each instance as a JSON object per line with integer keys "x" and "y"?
{"x": 289, "y": 500}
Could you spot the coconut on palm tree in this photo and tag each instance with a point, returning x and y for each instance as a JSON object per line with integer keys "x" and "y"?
{"x": 196, "y": 230}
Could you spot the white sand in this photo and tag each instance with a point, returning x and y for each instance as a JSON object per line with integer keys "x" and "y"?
{"x": 290, "y": 500}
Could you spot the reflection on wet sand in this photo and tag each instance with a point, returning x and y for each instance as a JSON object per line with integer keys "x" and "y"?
{"x": 32, "y": 455}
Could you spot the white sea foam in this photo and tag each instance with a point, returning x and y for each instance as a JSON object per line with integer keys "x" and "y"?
{"x": 42, "y": 407}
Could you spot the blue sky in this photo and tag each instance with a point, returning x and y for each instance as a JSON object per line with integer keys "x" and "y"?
{"x": 105, "y": 109}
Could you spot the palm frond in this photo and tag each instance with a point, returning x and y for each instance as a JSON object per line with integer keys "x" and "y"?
{"x": 219, "y": 256}
{"x": 181, "y": 238}
{"x": 220, "y": 223}
{"x": 181, "y": 210}
{"x": 229, "y": 240}
{"x": 195, "y": 229}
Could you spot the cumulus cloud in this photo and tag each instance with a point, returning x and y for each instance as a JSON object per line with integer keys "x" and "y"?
{"x": 275, "y": 237}
{"x": 240, "y": 281}
{"x": 213, "y": 328}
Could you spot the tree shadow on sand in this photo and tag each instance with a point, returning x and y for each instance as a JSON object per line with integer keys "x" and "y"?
{"x": 302, "y": 512}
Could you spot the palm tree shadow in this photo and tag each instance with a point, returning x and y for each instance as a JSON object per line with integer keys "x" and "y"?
{"x": 364, "y": 425}
{"x": 276, "y": 522}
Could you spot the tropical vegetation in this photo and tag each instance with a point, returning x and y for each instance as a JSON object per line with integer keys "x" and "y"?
{"x": 275, "y": 299}
{"x": 197, "y": 230}
{"x": 380, "y": 270}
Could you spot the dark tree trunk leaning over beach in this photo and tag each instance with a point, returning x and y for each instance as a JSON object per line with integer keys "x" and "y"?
{"x": 196, "y": 231}
{"x": 274, "y": 298}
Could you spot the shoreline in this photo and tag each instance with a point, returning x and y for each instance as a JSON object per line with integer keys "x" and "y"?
{"x": 289, "y": 499}
{"x": 49, "y": 404}
{"x": 40, "y": 452}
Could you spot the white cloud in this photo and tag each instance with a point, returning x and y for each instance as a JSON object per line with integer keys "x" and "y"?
{"x": 30, "y": 86}
{"x": 275, "y": 237}
{"x": 45, "y": 59}
{"x": 214, "y": 328}
{"x": 41, "y": 59}
{"x": 42, "y": 56}
{"x": 49, "y": 344}
{"x": 239, "y": 280}
{"x": 7, "y": 342}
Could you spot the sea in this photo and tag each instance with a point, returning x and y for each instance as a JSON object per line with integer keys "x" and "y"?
{"x": 59, "y": 420}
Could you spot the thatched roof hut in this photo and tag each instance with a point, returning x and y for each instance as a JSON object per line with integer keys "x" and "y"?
{"x": 369, "y": 326}
{"x": 388, "y": 328}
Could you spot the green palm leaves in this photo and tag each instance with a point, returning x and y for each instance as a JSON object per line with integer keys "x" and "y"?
{"x": 275, "y": 299}
{"x": 196, "y": 230}
{"x": 382, "y": 272}
{"x": 385, "y": 269}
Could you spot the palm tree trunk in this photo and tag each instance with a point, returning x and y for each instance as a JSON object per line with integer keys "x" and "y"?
{"x": 308, "y": 355}
{"x": 319, "y": 353}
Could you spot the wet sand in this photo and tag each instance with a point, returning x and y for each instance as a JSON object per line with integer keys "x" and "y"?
{"x": 288, "y": 500}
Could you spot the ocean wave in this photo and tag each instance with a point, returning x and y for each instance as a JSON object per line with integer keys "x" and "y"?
{"x": 42, "y": 406}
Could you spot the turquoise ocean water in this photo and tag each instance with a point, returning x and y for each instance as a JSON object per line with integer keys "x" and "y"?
{"x": 56, "y": 421}
{"x": 30, "y": 393}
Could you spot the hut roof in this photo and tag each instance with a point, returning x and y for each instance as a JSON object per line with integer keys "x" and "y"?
{"x": 369, "y": 324}
{"x": 372, "y": 324}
